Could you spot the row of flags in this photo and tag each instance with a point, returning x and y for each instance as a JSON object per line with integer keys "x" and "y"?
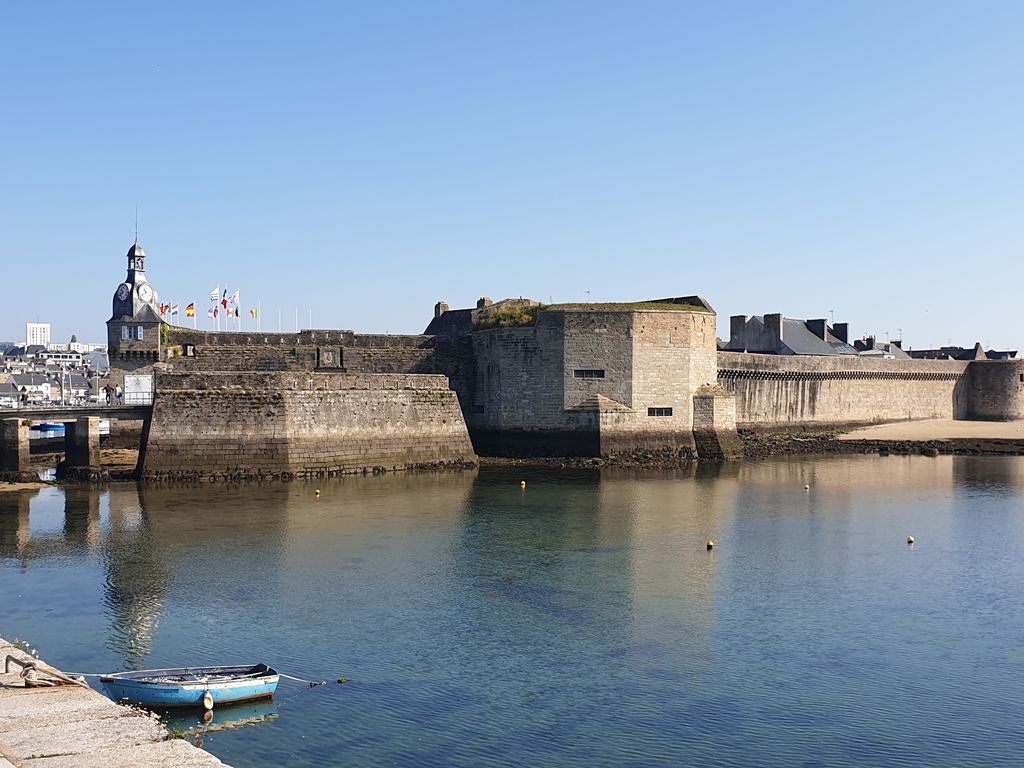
{"x": 223, "y": 305}
{"x": 172, "y": 310}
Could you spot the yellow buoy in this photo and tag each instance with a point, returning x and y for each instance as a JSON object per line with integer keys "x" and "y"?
{"x": 910, "y": 539}
{"x": 710, "y": 545}
{"x": 522, "y": 483}
{"x": 807, "y": 487}
{"x": 317, "y": 493}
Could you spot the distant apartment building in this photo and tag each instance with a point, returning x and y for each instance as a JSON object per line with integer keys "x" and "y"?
{"x": 37, "y": 333}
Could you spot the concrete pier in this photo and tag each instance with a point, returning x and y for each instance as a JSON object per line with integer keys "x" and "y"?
{"x": 82, "y": 442}
{"x": 73, "y": 727}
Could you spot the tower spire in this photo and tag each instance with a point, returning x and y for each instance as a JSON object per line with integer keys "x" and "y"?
{"x": 136, "y": 223}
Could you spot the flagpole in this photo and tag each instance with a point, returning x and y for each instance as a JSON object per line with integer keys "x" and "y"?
{"x": 259, "y": 311}
{"x": 296, "y": 319}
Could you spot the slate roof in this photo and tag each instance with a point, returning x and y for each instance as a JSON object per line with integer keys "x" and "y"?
{"x": 30, "y": 379}
{"x": 454, "y": 322}
{"x": 797, "y": 339}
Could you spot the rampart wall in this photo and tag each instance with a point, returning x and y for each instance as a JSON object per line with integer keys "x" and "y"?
{"x": 326, "y": 350}
{"x": 782, "y": 391}
{"x": 591, "y": 382}
{"x": 996, "y": 389}
{"x": 237, "y": 424}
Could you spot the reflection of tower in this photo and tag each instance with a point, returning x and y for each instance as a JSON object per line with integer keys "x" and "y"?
{"x": 137, "y": 577}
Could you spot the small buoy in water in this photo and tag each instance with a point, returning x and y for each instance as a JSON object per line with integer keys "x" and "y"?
{"x": 522, "y": 483}
{"x": 207, "y": 700}
{"x": 807, "y": 487}
{"x": 317, "y": 493}
{"x": 910, "y": 540}
{"x": 342, "y": 680}
{"x": 710, "y": 545}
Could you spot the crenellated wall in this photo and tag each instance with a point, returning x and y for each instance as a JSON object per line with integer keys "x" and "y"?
{"x": 223, "y": 425}
{"x": 774, "y": 390}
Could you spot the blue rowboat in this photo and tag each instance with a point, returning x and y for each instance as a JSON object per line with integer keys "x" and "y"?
{"x": 192, "y": 686}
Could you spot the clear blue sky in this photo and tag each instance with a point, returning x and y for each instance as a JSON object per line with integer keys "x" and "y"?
{"x": 367, "y": 159}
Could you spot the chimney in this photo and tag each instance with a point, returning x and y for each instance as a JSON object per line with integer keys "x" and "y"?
{"x": 842, "y": 332}
{"x": 817, "y": 327}
{"x": 773, "y": 324}
{"x": 483, "y": 301}
{"x": 440, "y": 308}
{"x": 737, "y": 329}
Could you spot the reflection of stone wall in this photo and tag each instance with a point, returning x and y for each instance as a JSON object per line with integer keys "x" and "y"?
{"x": 783, "y": 390}
{"x": 272, "y": 424}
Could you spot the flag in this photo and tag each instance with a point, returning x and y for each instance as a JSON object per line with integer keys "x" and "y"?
{"x": 224, "y": 300}
{"x": 163, "y": 310}
{"x": 174, "y": 309}
{"x": 211, "y": 312}
{"x": 214, "y": 294}
{"x": 234, "y": 298}
{"x": 254, "y": 312}
{"x": 190, "y": 310}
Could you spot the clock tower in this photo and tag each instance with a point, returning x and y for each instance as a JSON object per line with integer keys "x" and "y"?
{"x": 133, "y": 330}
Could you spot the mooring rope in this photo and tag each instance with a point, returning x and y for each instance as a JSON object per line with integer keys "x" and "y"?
{"x": 35, "y": 677}
{"x": 310, "y": 683}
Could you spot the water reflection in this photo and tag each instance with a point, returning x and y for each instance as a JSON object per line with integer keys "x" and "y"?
{"x": 15, "y": 534}
{"x": 137, "y": 575}
{"x": 578, "y": 622}
{"x": 192, "y": 721}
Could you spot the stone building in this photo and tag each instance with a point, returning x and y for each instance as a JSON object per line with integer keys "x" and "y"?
{"x": 583, "y": 379}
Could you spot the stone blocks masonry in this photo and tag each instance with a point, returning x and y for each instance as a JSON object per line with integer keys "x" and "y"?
{"x": 291, "y": 424}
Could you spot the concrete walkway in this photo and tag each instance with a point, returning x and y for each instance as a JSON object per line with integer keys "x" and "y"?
{"x": 940, "y": 429}
{"x": 73, "y": 727}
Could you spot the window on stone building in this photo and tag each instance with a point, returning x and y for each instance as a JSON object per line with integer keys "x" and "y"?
{"x": 588, "y": 373}
{"x": 659, "y": 411}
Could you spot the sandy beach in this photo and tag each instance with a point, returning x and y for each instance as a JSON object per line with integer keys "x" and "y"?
{"x": 940, "y": 429}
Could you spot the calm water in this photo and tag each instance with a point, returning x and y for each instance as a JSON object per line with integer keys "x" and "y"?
{"x": 578, "y": 623}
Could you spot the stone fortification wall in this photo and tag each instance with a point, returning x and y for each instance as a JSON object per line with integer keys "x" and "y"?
{"x": 591, "y": 382}
{"x": 223, "y": 425}
{"x": 193, "y": 350}
{"x": 178, "y": 335}
{"x": 781, "y": 391}
{"x": 996, "y": 389}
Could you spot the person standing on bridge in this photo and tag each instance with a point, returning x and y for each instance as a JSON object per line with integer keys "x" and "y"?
{"x": 108, "y": 391}
{"x": 24, "y": 396}
{"x": 119, "y": 394}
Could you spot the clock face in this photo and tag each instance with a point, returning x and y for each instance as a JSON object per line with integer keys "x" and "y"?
{"x": 122, "y": 291}
{"x": 145, "y": 292}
